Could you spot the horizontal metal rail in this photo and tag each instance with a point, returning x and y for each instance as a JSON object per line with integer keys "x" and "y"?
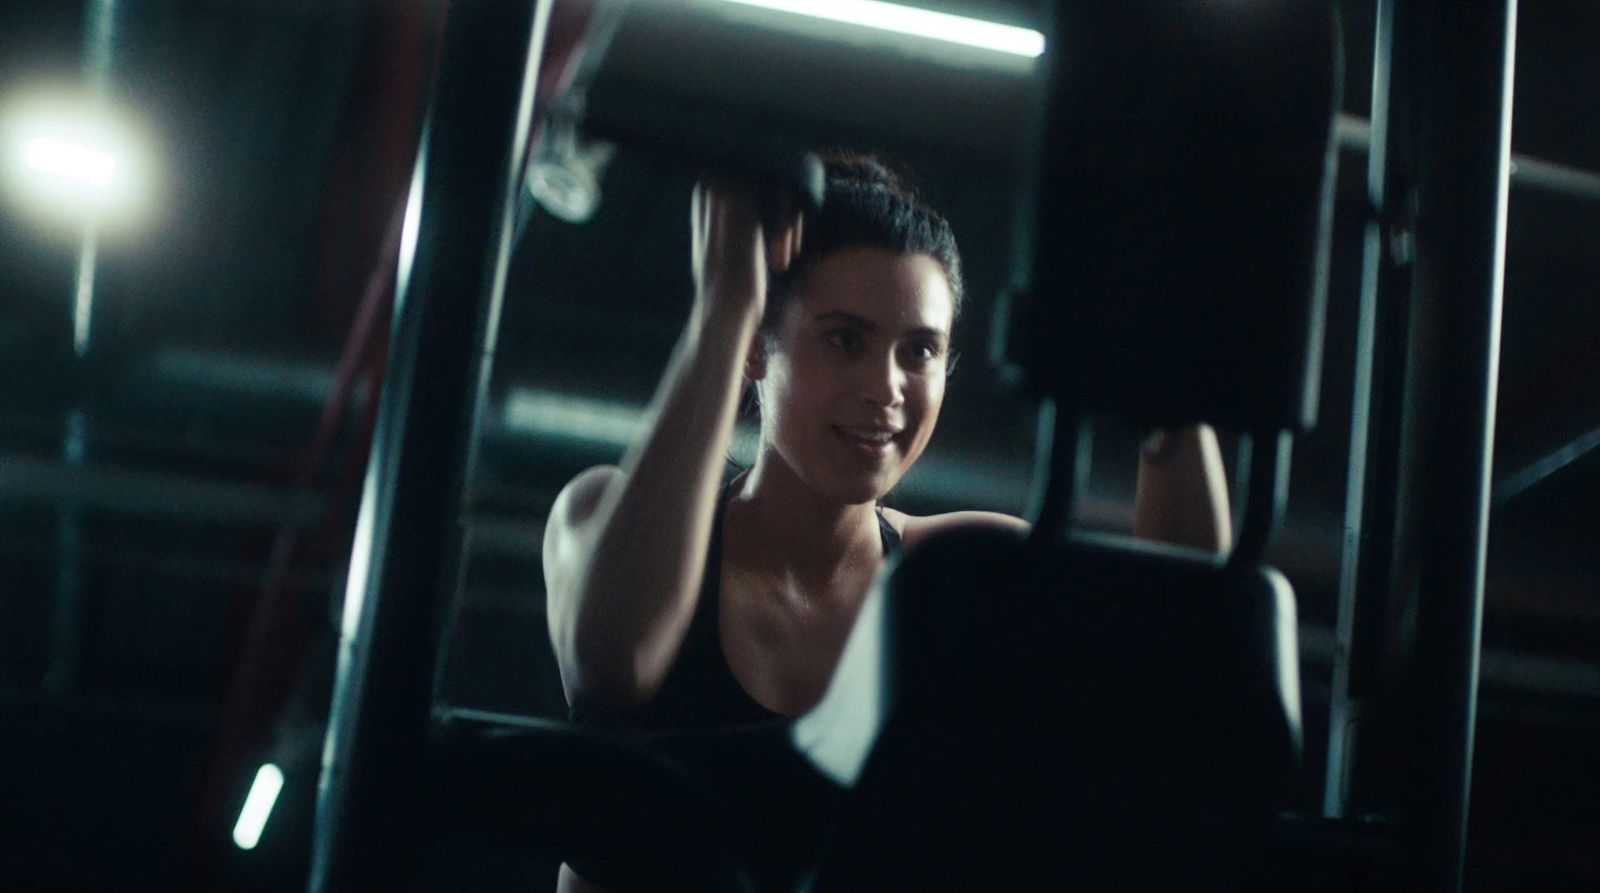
{"x": 1354, "y": 134}
{"x": 151, "y": 494}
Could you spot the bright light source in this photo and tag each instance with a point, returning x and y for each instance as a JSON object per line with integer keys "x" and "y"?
{"x": 916, "y": 22}
{"x": 69, "y": 158}
{"x": 257, "y": 806}
{"x": 85, "y": 165}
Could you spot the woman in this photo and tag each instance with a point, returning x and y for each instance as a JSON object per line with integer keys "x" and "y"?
{"x": 677, "y": 601}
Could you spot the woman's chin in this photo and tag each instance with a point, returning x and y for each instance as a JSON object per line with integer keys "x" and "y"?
{"x": 860, "y": 489}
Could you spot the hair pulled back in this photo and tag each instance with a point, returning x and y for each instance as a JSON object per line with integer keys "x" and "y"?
{"x": 865, "y": 205}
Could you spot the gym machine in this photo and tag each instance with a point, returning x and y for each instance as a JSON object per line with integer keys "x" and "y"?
{"x": 1150, "y": 732}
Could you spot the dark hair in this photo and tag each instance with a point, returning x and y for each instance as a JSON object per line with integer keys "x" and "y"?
{"x": 866, "y": 204}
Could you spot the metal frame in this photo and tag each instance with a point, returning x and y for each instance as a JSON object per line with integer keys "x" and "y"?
{"x": 374, "y": 792}
{"x": 1439, "y": 177}
{"x": 1425, "y": 379}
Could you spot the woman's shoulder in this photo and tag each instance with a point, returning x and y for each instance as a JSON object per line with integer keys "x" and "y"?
{"x": 915, "y": 528}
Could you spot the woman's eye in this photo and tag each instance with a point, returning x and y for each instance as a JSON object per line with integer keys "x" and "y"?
{"x": 845, "y": 339}
{"x": 924, "y": 351}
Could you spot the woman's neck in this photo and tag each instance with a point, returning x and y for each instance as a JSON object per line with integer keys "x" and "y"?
{"x": 791, "y": 527}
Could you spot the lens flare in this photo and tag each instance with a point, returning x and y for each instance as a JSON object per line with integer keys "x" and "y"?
{"x": 74, "y": 160}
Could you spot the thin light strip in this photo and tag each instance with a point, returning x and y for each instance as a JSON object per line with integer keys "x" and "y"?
{"x": 257, "y": 806}
{"x": 916, "y": 22}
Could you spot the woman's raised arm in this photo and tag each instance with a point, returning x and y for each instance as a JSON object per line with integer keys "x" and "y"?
{"x": 624, "y": 547}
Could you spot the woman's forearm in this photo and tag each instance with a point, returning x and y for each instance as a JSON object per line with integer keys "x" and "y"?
{"x": 1182, "y": 493}
{"x": 646, "y": 558}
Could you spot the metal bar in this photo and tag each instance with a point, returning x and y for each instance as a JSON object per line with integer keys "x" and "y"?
{"x": 1355, "y": 135}
{"x": 1264, "y": 469}
{"x": 480, "y": 419}
{"x": 1559, "y": 179}
{"x": 373, "y": 796}
{"x": 1064, "y": 446}
{"x": 1462, "y": 123}
{"x": 150, "y": 494}
{"x": 71, "y": 604}
{"x": 1354, "y": 782}
{"x": 1536, "y": 472}
{"x": 71, "y": 608}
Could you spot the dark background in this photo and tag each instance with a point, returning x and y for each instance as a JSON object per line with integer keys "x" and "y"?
{"x": 127, "y": 579}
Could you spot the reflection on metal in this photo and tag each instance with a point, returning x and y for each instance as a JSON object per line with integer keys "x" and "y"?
{"x": 564, "y": 170}
{"x": 1536, "y": 472}
{"x": 1352, "y": 133}
{"x": 97, "y": 71}
{"x": 360, "y": 568}
{"x": 83, "y": 293}
{"x": 408, "y": 233}
{"x": 565, "y": 175}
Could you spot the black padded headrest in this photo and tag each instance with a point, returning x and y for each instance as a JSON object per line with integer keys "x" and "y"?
{"x": 1180, "y": 212}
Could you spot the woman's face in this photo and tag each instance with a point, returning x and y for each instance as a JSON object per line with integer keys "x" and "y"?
{"x": 854, "y": 380}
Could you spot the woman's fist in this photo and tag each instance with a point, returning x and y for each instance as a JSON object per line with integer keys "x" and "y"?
{"x": 732, "y": 253}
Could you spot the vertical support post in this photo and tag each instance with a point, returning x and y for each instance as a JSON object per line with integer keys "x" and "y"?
{"x": 66, "y": 656}
{"x": 1462, "y": 121}
{"x": 373, "y": 797}
{"x": 1355, "y": 779}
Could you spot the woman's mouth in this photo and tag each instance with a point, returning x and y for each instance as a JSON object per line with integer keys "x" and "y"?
{"x": 869, "y": 442}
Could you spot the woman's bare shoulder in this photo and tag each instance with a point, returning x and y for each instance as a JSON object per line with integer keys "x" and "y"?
{"x": 915, "y": 528}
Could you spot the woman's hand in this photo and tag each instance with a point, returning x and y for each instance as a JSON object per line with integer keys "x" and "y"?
{"x": 1181, "y": 495}
{"x": 732, "y": 252}
{"x": 625, "y": 546}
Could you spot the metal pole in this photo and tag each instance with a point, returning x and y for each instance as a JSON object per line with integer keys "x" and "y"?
{"x": 373, "y": 798}
{"x": 1355, "y": 775}
{"x": 66, "y": 657}
{"x": 1462, "y": 121}
{"x": 1527, "y": 172}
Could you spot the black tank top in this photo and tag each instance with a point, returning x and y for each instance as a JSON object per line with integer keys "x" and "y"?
{"x": 700, "y": 689}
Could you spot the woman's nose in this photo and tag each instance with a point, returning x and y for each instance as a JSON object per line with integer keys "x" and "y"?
{"x": 884, "y": 382}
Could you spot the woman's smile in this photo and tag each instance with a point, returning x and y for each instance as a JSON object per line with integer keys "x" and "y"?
{"x": 870, "y": 442}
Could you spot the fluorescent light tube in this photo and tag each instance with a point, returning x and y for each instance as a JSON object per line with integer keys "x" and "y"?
{"x": 257, "y": 806}
{"x": 916, "y": 22}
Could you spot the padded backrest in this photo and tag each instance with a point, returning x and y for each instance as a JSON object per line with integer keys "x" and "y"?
{"x": 1095, "y": 713}
{"x": 1176, "y": 235}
